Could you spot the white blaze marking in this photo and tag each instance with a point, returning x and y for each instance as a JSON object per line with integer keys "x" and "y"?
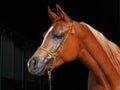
{"x": 50, "y": 29}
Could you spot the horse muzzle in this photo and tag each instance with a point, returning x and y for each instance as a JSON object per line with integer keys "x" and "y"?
{"x": 37, "y": 66}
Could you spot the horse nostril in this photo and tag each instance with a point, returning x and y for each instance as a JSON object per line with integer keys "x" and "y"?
{"x": 32, "y": 63}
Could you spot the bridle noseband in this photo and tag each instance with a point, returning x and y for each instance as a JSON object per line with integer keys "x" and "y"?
{"x": 54, "y": 53}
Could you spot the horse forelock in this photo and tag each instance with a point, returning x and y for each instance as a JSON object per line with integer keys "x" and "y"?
{"x": 111, "y": 49}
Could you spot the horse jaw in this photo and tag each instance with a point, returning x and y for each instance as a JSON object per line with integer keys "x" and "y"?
{"x": 57, "y": 63}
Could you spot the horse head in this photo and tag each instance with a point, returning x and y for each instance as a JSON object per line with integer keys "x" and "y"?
{"x": 60, "y": 44}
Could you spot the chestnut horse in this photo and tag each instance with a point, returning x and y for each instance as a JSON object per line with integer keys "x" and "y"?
{"x": 66, "y": 40}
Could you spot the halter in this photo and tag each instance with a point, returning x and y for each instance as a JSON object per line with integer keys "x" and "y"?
{"x": 54, "y": 54}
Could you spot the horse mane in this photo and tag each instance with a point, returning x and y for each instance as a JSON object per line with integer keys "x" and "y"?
{"x": 112, "y": 50}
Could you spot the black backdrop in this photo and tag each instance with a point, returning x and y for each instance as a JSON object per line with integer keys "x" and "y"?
{"x": 22, "y": 24}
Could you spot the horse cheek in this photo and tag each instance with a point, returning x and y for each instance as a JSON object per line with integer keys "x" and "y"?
{"x": 70, "y": 52}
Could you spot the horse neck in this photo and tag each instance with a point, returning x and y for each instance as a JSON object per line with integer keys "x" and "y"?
{"x": 95, "y": 58}
{"x": 110, "y": 48}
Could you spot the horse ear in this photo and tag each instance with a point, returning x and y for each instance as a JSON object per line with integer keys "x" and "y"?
{"x": 51, "y": 14}
{"x": 61, "y": 13}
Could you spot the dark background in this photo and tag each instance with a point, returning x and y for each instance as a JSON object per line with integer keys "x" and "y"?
{"x": 22, "y": 24}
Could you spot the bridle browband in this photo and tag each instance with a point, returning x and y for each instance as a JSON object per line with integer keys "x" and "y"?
{"x": 54, "y": 53}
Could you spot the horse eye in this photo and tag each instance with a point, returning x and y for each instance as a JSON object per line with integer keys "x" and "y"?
{"x": 58, "y": 35}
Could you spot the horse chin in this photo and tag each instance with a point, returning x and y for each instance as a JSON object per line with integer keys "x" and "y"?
{"x": 39, "y": 70}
